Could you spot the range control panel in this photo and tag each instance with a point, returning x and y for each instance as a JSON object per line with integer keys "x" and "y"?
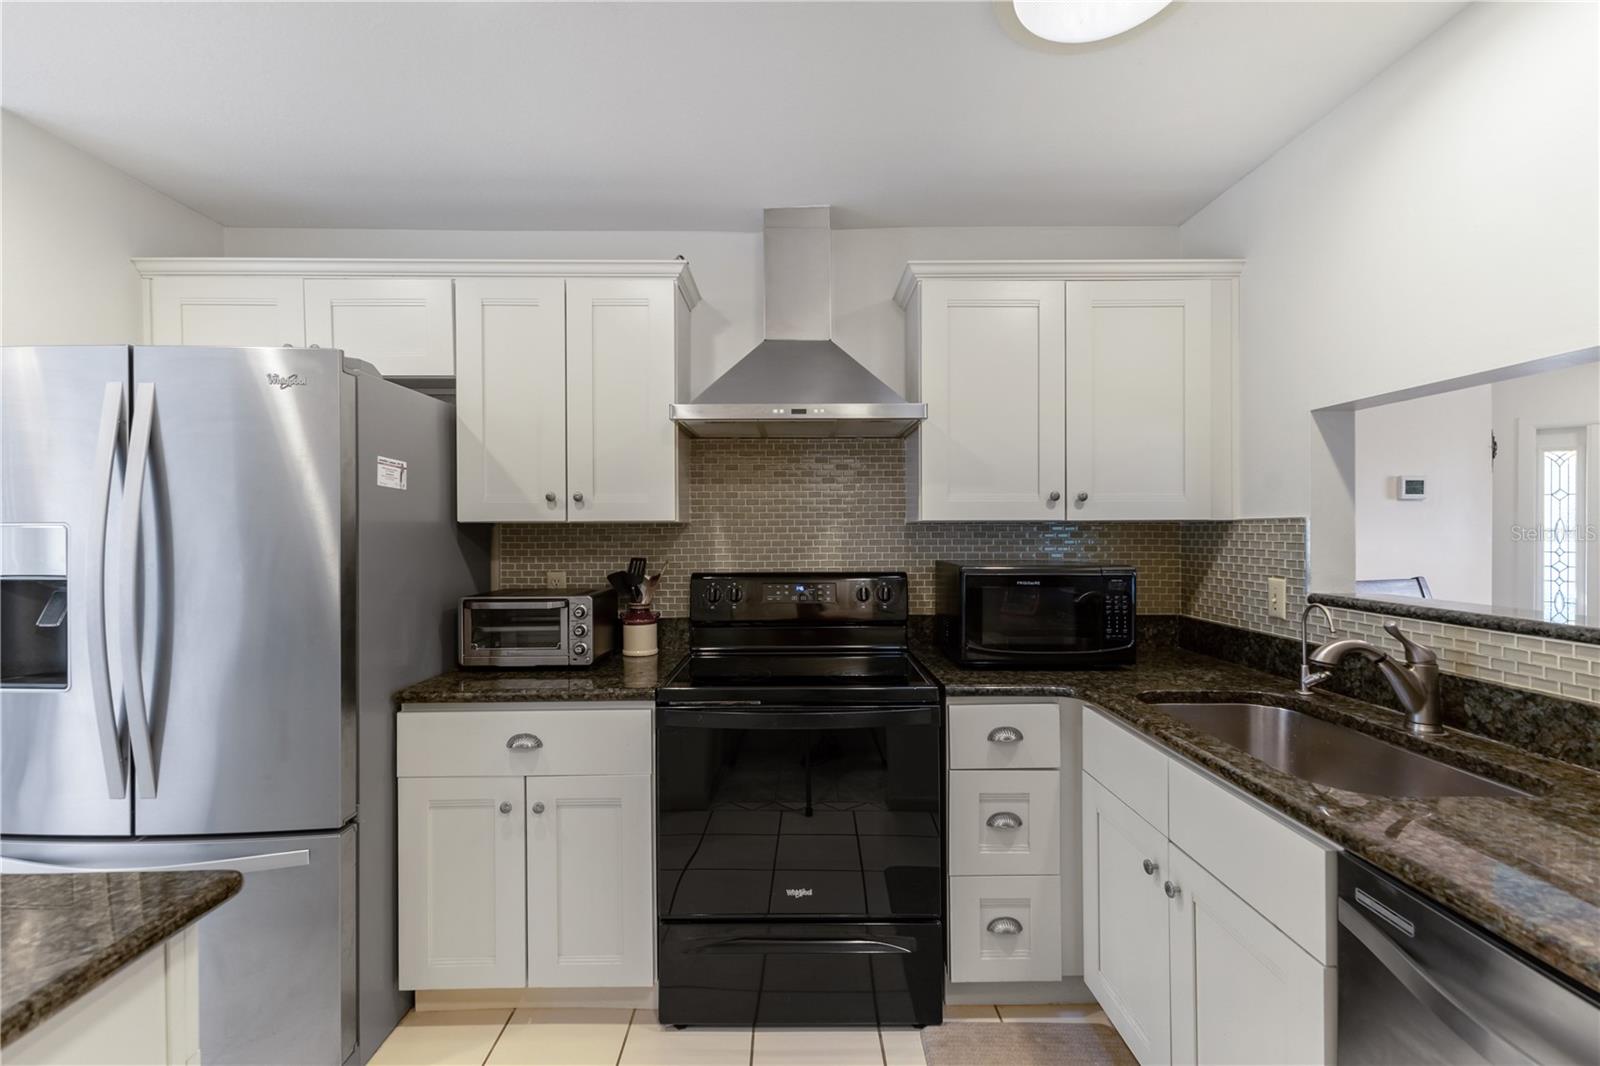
{"x": 766, "y": 597}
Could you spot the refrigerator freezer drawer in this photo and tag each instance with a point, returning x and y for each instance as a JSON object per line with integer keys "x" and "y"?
{"x": 277, "y": 962}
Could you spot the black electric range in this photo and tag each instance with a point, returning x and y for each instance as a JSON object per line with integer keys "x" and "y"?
{"x": 800, "y": 821}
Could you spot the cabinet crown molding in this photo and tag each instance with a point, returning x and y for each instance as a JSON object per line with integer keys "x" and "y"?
{"x": 1064, "y": 269}
{"x": 676, "y": 269}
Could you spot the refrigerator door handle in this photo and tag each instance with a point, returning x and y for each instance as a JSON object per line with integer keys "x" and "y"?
{"x": 113, "y": 744}
{"x": 245, "y": 864}
{"x": 144, "y": 404}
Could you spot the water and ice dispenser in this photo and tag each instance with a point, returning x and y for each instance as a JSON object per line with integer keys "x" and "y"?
{"x": 33, "y": 606}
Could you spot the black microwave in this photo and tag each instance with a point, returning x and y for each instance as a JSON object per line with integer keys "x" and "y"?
{"x": 1035, "y": 615}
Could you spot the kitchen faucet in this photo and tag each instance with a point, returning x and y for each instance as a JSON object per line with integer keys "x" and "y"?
{"x": 1308, "y": 676}
{"x": 1415, "y": 681}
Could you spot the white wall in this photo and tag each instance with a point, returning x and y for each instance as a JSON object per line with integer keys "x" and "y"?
{"x": 1559, "y": 398}
{"x": 1447, "y": 537}
{"x": 728, "y": 268}
{"x": 68, "y": 226}
{"x": 1441, "y": 221}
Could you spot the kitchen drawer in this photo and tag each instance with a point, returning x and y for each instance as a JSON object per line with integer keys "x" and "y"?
{"x": 572, "y": 740}
{"x": 1282, "y": 871}
{"x": 1031, "y": 953}
{"x": 975, "y": 743}
{"x": 1130, "y": 767}
{"x": 1005, "y": 822}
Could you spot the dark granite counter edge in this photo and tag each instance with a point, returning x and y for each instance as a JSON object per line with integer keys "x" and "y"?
{"x": 209, "y": 890}
{"x": 1456, "y": 615}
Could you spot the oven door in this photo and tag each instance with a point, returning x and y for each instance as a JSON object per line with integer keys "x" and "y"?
{"x": 1033, "y": 617}
{"x": 800, "y": 814}
{"x": 514, "y": 633}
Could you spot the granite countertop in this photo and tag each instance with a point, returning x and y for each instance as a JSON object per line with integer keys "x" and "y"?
{"x": 63, "y": 934}
{"x": 1526, "y": 869}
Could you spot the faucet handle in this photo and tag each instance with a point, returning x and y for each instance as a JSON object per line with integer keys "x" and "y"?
{"x": 1415, "y": 653}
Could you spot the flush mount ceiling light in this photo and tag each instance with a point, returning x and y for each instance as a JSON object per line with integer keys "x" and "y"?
{"x": 1082, "y": 21}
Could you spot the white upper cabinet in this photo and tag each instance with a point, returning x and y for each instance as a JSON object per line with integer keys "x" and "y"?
{"x": 227, "y": 311}
{"x": 1063, "y": 391}
{"x": 511, "y": 400}
{"x": 1139, "y": 398}
{"x": 402, "y": 326}
{"x": 624, "y": 454}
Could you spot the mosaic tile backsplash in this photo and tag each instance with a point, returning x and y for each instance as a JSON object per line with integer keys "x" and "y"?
{"x": 823, "y": 505}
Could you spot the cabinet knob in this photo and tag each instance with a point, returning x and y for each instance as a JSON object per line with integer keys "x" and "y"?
{"x": 1054, "y": 496}
{"x": 1083, "y": 497}
{"x": 1005, "y": 926}
{"x": 1150, "y": 867}
{"x": 549, "y": 497}
{"x": 524, "y": 742}
{"x": 538, "y": 808}
{"x": 1004, "y": 820}
{"x": 577, "y": 497}
{"x": 1170, "y": 889}
{"x": 1005, "y": 734}
{"x": 505, "y": 808}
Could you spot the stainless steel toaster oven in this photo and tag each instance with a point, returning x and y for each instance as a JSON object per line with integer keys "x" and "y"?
{"x": 538, "y": 627}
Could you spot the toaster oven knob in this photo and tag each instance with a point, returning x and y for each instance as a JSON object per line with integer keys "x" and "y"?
{"x": 863, "y": 593}
{"x": 580, "y": 611}
{"x": 580, "y": 630}
{"x": 580, "y": 649}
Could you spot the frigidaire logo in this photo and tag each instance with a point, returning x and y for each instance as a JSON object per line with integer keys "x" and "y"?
{"x": 798, "y": 893}
{"x": 285, "y": 382}
{"x": 1020, "y": 582}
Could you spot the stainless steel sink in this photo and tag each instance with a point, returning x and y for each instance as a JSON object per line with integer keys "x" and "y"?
{"x": 1323, "y": 753}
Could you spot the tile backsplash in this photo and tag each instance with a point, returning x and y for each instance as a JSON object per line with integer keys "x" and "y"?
{"x": 822, "y": 504}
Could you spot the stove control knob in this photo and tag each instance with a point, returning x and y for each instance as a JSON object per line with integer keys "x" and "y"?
{"x": 713, "y": 594}
{"x": 863, "y": 594}
{"x": 885, "y": 593}
{"x": 735, "y": 593}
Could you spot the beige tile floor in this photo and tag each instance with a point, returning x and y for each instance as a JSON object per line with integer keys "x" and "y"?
{"x": 573, "y": 1037}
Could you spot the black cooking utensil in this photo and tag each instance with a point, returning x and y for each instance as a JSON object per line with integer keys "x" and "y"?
{"x": 619, "y": 581}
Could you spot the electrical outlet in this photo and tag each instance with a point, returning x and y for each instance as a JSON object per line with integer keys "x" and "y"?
{"x": 555, "y": 579}
{"x": 1277, "y": 597}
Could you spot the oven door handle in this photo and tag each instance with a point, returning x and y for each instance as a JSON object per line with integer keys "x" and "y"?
{"x": 800, "y": 945}
{"x": 1427, "y": 992}
{"x": 743, "y": 716}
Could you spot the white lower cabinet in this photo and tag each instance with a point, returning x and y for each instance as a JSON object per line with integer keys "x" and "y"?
{"x": 1188, "y": 967}
{"x": 591, "y": 916}
{"x": 530, "y": 878}
{"x": 461, "y": 894}
{"x": 1005, "y": 928}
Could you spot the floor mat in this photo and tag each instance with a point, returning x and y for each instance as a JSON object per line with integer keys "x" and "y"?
{"x": 1025, "y": 1044}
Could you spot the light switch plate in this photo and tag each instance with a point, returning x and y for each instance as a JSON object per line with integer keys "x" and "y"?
{"x": 1278, "y": 597}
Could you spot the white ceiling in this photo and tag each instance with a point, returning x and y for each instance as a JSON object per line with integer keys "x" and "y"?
{"x": 684, "y": 116}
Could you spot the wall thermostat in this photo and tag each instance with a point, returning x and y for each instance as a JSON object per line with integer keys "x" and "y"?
{"x": 1412, "y": 487}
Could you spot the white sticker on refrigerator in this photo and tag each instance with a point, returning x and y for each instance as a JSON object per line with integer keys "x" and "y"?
{"x": 391, "y": 473}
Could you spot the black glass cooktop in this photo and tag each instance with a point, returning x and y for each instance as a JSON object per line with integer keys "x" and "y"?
{"x": 829, "y": 676}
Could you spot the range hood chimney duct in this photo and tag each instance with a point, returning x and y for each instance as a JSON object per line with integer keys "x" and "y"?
{"x": 798, "y": 382}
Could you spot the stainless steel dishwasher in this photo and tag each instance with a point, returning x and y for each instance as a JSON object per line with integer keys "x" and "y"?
{"x": 1419, "y": 985}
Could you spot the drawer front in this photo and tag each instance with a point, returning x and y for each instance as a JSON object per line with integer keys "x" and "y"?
{"x": 981, "y": 736}
{"x": 1005, "y": 822}
{"x": 1005, "y": 929}
{"x": 1284, "y": 873}
{"x": 525, "y": 740}
{"x": 1130, "y": 768}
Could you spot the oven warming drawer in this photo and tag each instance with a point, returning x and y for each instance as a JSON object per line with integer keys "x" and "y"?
{"x": 728, "y": 973}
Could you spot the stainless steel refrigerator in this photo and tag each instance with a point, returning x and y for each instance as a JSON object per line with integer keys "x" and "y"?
{"x": 216, "y": 565}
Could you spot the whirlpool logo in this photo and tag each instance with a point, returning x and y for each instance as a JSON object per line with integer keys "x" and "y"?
{"x": 799, "y": 893}
{"x": 283, "y": 382}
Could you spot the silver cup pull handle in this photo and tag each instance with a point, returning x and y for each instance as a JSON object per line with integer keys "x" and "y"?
{"x": 1004, "y": 820}
{"x": 1004, "y": 926}
{"x": 1005, "y": 734}
{"x": 524, "y": 742}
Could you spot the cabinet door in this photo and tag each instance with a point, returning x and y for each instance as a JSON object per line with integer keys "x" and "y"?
{"x": 991, "y": 370}
{"x": 1242, "y": 991}
{"x": 591, "y": 899}
{"x": 622, "y": 448}
{"x": 1125, "y": 915}
{"x": 403, "y": 326}
{"x": 511, "y": 399}
{"x": 462, "y": 894}
{"x": 1139, "y": 399}
{"x": 228, "y": 311}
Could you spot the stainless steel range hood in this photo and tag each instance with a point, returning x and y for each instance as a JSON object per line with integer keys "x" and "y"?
{"x": 798, "y": 382}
